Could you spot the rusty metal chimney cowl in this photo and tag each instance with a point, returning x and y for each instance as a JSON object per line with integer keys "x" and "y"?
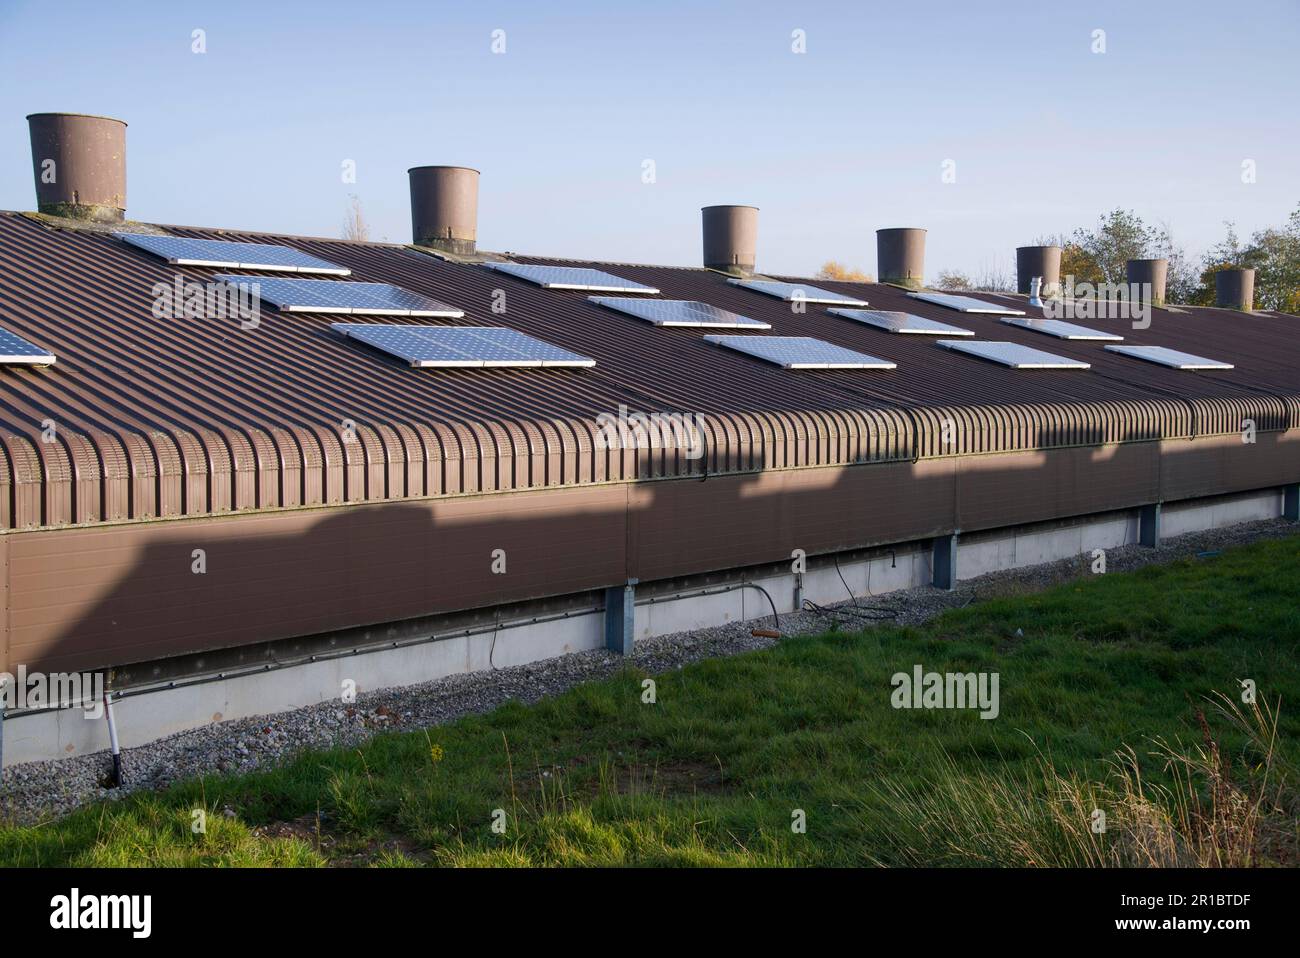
{"x": 1140, "y": 272}
{"x": 900, "y": 256}
{"x": 1041, "y": 261}
{"x": 79, "y": 163}
{"x": 730, "y": 238}
{"x": 444, "y": 208}
{"x": 1235, "y": 289}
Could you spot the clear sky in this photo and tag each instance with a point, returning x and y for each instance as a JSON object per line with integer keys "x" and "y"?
{"x": 831, "y": 144}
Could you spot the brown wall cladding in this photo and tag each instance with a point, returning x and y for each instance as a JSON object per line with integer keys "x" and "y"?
{"x": 111, "y": 595}
{"x": 162, "y": 419}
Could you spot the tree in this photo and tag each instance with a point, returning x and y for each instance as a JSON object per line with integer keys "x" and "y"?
{"x": 1120, "y": 236}
{"x": 954, "y": 280}
{"x": 355, "y": 227}
{"x": 993, "y": 279}
{"x": 833, "y": 270}
{"x": 1274, "y": 255}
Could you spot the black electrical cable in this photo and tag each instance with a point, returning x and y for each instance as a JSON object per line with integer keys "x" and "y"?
{"x": 754, "y": 585}
{"x": 859, "y": 611}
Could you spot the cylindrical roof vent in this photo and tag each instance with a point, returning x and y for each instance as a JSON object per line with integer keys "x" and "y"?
{"x": 79, "y": 162}
{"x": 900, "y": 256}
{"x": 444, "y": 208}
{"x": 730, "y": 238}
{"x": 1041, "y": 261}
{"x": 1149, "y": 276}
{"x": 1235, "y": 288}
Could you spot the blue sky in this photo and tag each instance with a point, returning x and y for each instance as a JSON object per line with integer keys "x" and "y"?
{"x": 831, "y": 144}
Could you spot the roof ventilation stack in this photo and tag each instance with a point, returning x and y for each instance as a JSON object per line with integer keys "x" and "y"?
{"x": 1041, "y": 261}
{"x": 900, "y": 256}
{"x": 1235, "y": 289}
{"x": 1148, "y": 272}
{"x": 444, "y": 208}
{"x": 79, "y": 163}
{"x": 730, "y": 238}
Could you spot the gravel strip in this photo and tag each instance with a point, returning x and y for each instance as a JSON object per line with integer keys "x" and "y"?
{"x": 38, "y": 791}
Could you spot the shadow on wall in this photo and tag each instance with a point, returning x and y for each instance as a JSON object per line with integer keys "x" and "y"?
{"x": 109, "y": 596}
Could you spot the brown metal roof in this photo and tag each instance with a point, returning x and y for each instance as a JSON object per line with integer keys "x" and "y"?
{"x": 190, "y": 417}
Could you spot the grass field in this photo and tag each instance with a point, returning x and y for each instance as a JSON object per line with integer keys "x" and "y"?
{"x": 1107, "y": 702}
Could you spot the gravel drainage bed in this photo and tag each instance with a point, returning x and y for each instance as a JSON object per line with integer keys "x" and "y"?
{"x": 38, "y": 791}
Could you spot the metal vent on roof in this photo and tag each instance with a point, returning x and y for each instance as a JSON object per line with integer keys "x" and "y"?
{"x": 16, "y": 351}
{"x": 797, "y": 292}
{"x": 800, "y": 352}
{"x": 897, "y": 322}
{"x": 571, "y": 277}
{"x": 328, "y": 296}
{"x": 1063, "y": 330}
{"x": 183, "y": 251}
{"x": 1013, "y": 355}
{"x": 679, "y": 312}
{"x": 461, "y": 346}
{"x": 966, "y": 304}
{"x": 1169, "y": 357}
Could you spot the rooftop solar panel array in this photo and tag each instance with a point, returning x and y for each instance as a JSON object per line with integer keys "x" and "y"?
{"x": 1063, "y": 330}
{"x": 797, "y": 292}
{"x": 328, "y": 296}
{"x": 1169, "y": 357}
{"x": 16, "y": 351}
{"x": 1013, "y": 355}
{"x": 966, "y": 304}
{"x": 467, "y": 346}
{"x": 183, "y": 251}
{"x": 678, "y": 312}
{"x": 571, "y": 277}
{"x": 800, "y": 352}
{"x": 896, "y": 322}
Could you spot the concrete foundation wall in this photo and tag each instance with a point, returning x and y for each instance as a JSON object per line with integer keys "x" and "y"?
{"x": 145, "y": 717}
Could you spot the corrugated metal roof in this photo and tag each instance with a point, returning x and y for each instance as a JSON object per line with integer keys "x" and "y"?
{"x": 160, "y": 418}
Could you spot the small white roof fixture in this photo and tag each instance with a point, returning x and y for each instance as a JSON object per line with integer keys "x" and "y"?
{"x": 1169, "y": 357}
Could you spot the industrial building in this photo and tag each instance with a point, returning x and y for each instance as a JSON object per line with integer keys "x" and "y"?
{"x": 481, "y": 459}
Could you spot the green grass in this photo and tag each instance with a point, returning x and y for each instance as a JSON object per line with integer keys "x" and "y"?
{"x": 713, "y": 771}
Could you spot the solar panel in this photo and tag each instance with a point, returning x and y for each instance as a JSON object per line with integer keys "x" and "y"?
{"x": 800, "y": 352}
{"x": 183, "y": 251}
{"x": 796, "y": 292}
{"x": 329, "y": 296}
{"x": 571, "y": 277}
{"x": 896, "y": 322}
{"x": 16, "y": 351}
{"x": 679, "y": 312}
{"x": 966, "y": 304}
{"x": 470, "y": 346}
{"x": 1169, "y": 357}
{"x": 1013, "y": 355}
{"x": 1062, "y": 330}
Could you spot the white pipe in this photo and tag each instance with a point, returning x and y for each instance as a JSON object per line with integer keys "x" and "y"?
{"x": 112, "y": 740}
{"x": 1035, "y": 287}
